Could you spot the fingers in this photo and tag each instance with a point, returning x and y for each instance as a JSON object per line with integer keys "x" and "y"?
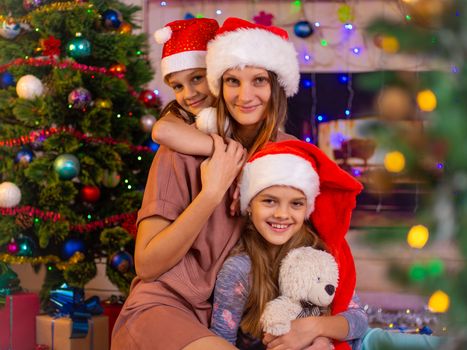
{"x": 268, "y": 338}
{"x": 218, "y": 142}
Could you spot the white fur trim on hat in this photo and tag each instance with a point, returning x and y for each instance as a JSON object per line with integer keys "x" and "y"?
{"x": 183, "y": 60}
{"x": 206, "y": 121}
{"x": 256, "y": 48}
{"x": 279, "y": 169}
{"x": 163, "y": 35}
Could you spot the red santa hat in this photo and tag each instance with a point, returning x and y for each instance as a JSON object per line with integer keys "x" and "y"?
{"x": 185, "y": 43}
{"x": 330, "y": 192}
{"x": 239, "y": 43}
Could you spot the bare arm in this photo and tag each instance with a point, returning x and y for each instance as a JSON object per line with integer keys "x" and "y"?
{"x": 174, "y": 133}
{"x": 160, "y": 243}
{"x": 305, "y": 330}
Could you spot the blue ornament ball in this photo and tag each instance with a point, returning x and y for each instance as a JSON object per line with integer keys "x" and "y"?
{"x": 71, "y": 246}
{"x": 79, "y": 47}
{"x": 154, "y": 146}
{"x": 79, "y": 98}
{"x": 67, "y": 166}
{"x": 24, "y": 156}
{"x": 26, "y": 246}
{"x": 6, "y": 79}
{"x": 121, "y": 261}
{"x": 303, "y": 29}
{"x": 9, "y": 29}
{"x": 112, "y": 19}
{"x": 189, "y": 15}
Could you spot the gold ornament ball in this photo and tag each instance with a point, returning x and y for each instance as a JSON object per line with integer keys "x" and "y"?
{"x": 117, "y": 68}
{"x": 418, "y": 236}
{"x": 426, "y": 100}
{"x": 427, "y": 13}
{"x": 103, "y": 103}
{"x": 111, "y": 179}
{"x": 394, "y": 103}
{"x": 394, "y": 162}
{"x": 390, "y": 44}
{"x": 439, "y": 302}
{"x": 125, "y": 28}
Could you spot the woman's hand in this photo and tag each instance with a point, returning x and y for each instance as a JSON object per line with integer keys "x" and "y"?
{"x": 220, "y": 170}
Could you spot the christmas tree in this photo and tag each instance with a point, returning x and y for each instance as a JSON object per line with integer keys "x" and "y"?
{"x": 431, "y": 150}
{"x": 75, "y": 145}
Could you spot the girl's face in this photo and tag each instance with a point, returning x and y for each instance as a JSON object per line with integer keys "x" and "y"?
{"x": 191, "y": 89}
{"x": 246, "y": 93}
{"x": 278, "y": 212}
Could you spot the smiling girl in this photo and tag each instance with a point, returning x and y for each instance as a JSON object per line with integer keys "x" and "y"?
{"x": 294, "y": 196}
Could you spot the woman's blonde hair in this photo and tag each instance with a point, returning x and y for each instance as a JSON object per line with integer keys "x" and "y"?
{"x": 276, "y": 115}
{"x": 265, "y": 270}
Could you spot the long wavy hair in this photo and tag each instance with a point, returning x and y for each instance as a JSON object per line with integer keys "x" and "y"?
{"x": 265, "y": 269}
{"x": 275, "y": 117}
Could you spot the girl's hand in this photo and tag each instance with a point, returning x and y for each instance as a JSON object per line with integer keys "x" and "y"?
{"x": 301, "y": 335}
{"x": 321, "y": 343}
{"x": 220, "y": 170}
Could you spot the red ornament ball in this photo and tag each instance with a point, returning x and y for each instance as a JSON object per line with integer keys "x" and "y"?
{"x": 149, "y": 98}
{"x": 90, "y": 194}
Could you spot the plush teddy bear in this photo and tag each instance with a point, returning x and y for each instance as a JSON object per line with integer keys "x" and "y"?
{"x": 307, "y": 281}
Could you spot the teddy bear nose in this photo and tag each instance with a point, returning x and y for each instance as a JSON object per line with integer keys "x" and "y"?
{"x": 329, "y": 289}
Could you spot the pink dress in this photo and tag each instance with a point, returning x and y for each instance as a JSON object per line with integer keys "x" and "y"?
{"x": 174, "y": 310}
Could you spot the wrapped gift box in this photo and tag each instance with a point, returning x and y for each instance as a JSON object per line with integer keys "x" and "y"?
{"x": 56, "y": 332}
{"x": 112, "y": 311}
{"x": 17, "y": 321}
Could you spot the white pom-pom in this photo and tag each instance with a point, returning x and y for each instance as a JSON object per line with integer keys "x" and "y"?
{"x": 163, "y": 35}
{"x": 10, "y": 195}
{"x": 206, "y": 121}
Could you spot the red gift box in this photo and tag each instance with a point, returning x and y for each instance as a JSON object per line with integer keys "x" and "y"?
{"x": 112, "y": 311}
{"x": 18, "y": 321}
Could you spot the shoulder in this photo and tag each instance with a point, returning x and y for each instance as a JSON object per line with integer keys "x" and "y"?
{"x": 177, "y": 159}
{"x": 282, "y": 136}
{"x": 237, "y": 265}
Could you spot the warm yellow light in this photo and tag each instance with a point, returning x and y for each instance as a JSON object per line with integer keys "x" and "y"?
{"x": 418, "y": 236}
{"x": 439, "y": 302}
{"x": 394, "y": 162}
{"x": 390, "y": 44}
{"x": 426, "y": 100}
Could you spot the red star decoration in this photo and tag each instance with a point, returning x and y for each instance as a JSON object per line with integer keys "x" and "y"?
{"x": 50, "y": 46}
{"x": 263, "y": 18}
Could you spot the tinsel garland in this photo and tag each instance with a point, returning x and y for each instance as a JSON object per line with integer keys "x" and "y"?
{"x": 62, "y": 64}
{"x": 48, "y": 259}
{"x": 406, "y": 321}
{"x": 89, "y": 227}
{"x": 99, "y": 224}
{"x": 41, "y": 135}
{"x": 31, "y": 211}
{"x": 58, "y": 6}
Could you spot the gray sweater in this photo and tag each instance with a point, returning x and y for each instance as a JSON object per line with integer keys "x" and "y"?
{"x": 231, "y": 293}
